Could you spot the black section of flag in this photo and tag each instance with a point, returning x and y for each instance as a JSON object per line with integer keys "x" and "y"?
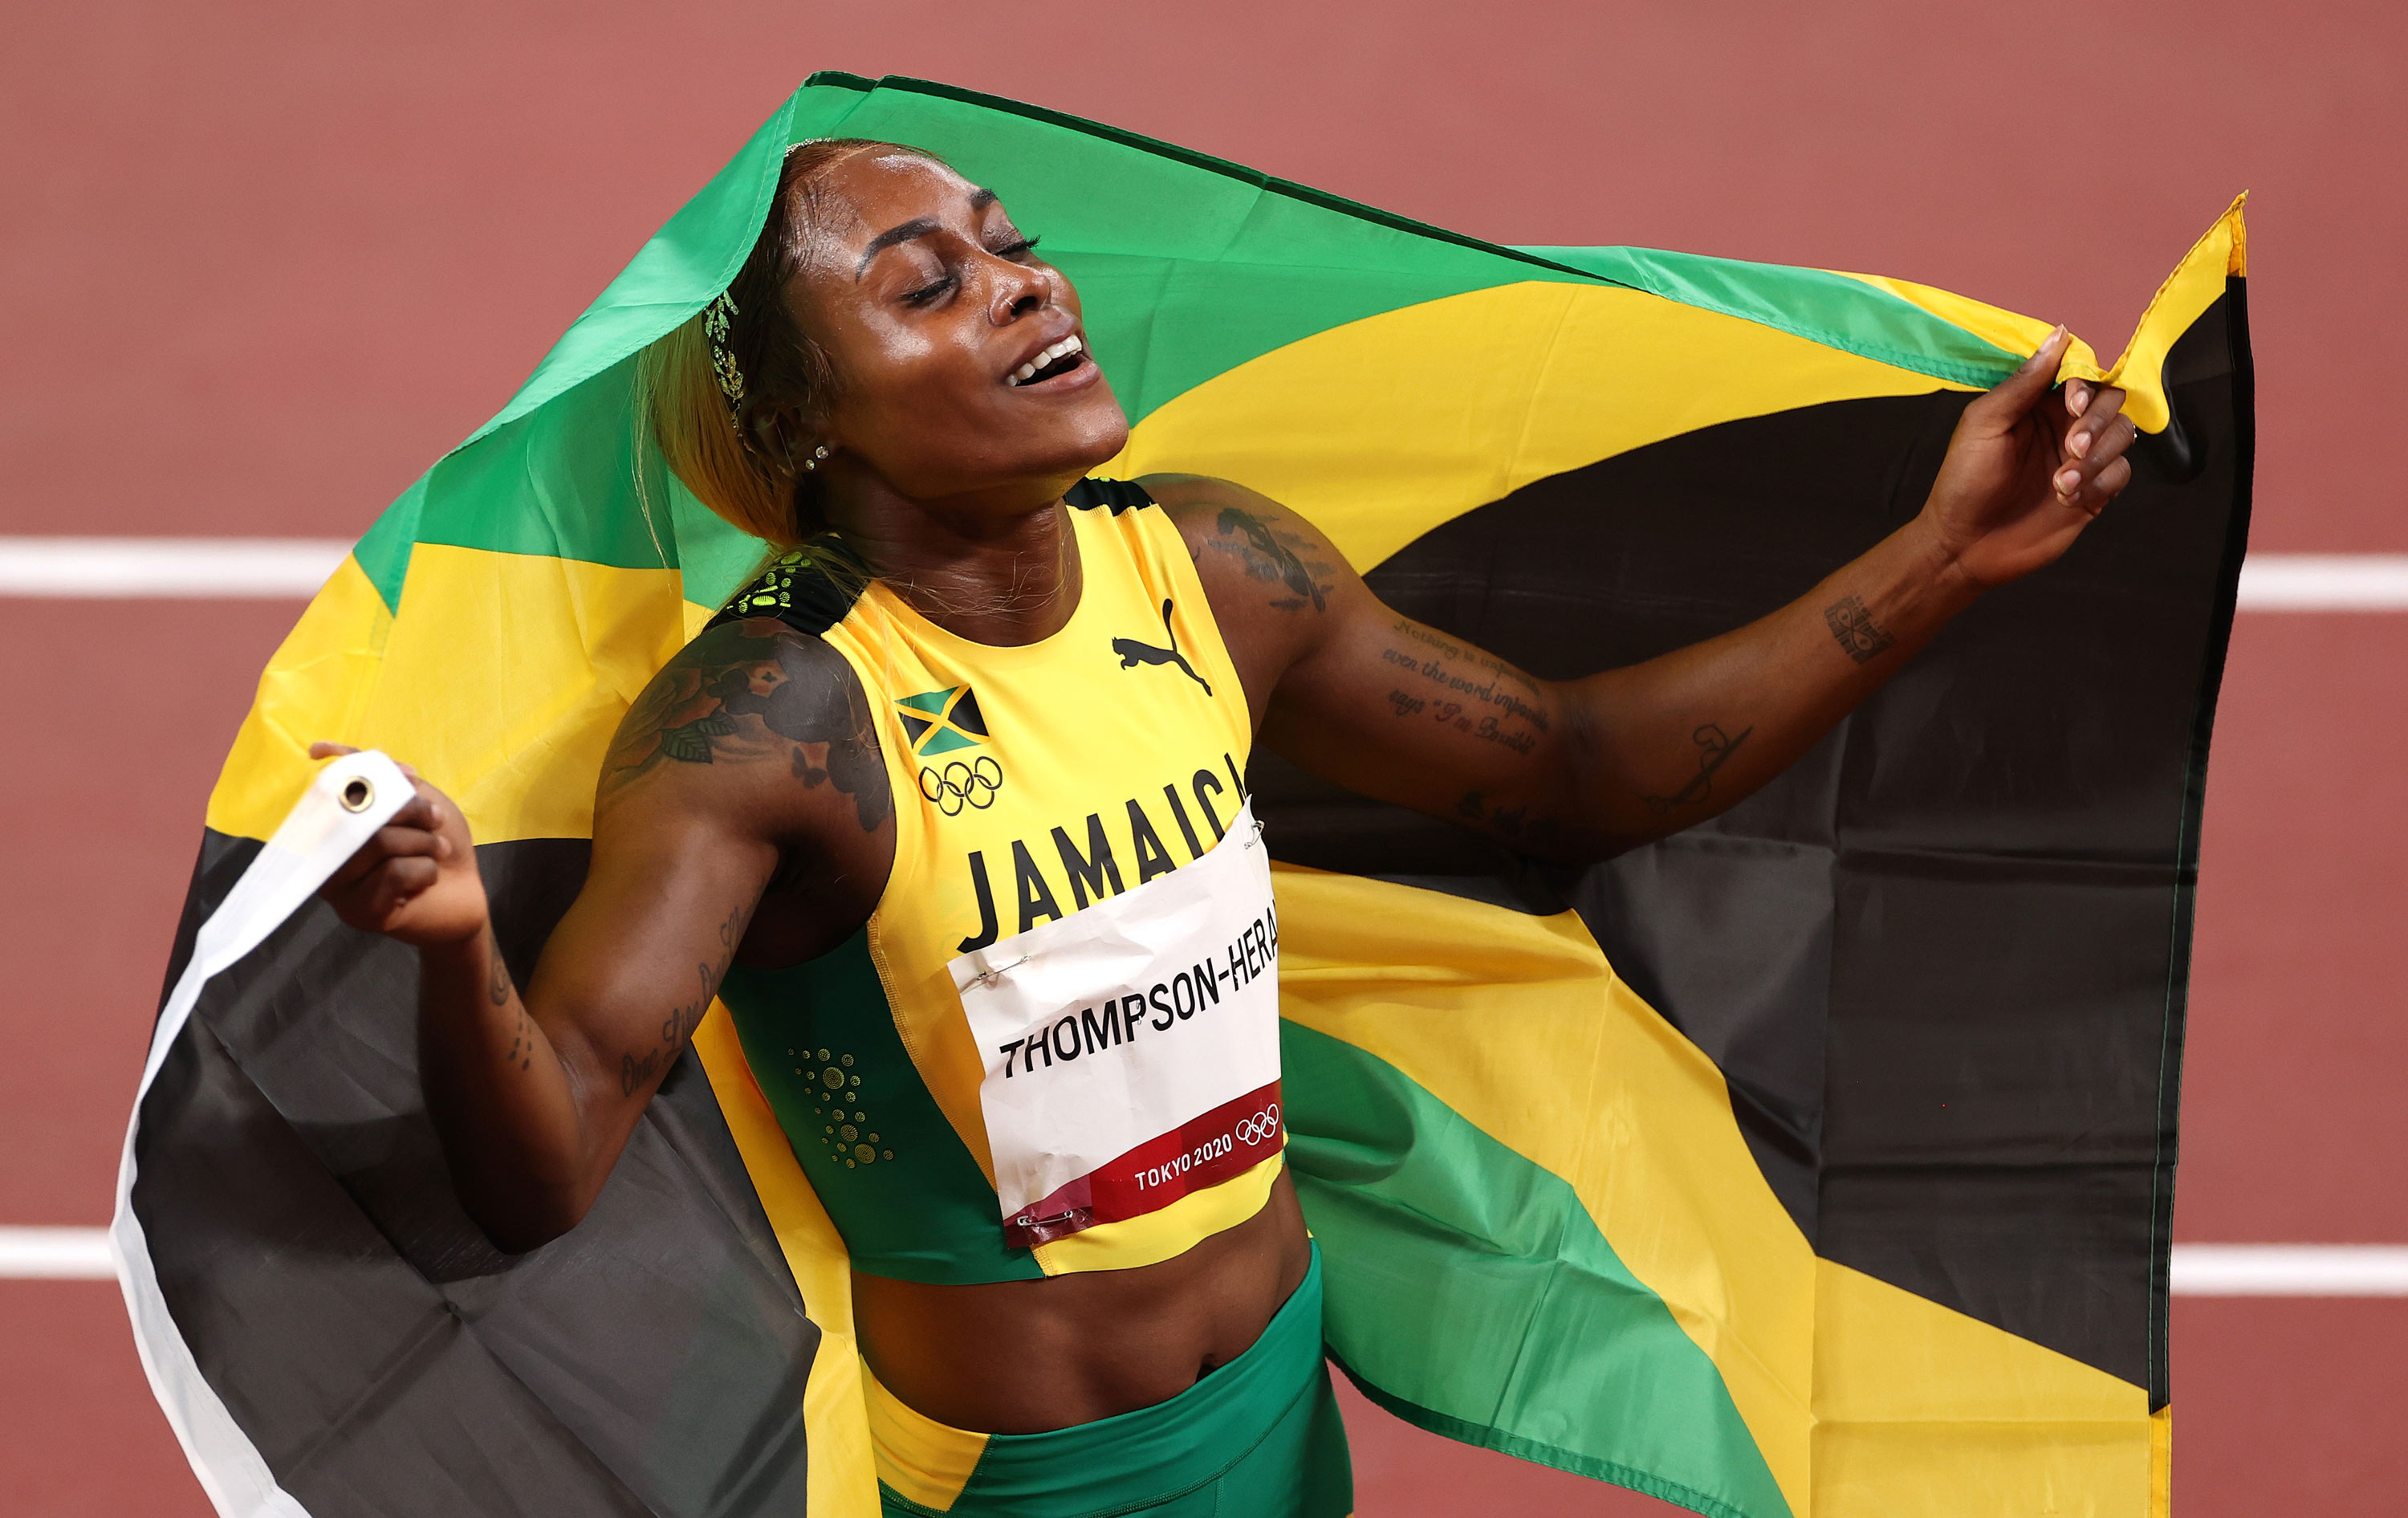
{"x": 1943, "y": 962}
{"x": 380, "y": 1355}
{"x": 966, "y": 716}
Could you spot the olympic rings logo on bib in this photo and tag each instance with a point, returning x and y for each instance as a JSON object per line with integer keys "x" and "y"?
{"x": 960, "y": 785}
{"x": 1255, "y": 1131}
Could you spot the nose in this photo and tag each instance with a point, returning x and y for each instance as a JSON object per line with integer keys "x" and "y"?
{"x": 1016, "y": 291}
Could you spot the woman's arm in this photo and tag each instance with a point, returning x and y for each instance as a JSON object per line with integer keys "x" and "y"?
{"x": 1376, "y": 702}
{"x": 752, "y": 745}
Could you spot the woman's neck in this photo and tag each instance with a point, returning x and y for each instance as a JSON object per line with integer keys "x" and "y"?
{"x": 1003, "y": 580}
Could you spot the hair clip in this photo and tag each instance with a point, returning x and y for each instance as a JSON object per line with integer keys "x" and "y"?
{"x": 717, "y": 318}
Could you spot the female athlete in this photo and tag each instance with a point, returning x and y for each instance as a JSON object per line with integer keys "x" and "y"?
{"x": 948, "y": 806}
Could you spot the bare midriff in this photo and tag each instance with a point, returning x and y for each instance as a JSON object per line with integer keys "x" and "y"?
{"x": 1031, "y": 1356}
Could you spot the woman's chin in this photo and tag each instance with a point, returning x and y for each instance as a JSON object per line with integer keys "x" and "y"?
{"x": 1081, "y": 444}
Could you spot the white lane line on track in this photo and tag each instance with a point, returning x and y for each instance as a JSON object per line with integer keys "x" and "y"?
{"x": 213, "y": 568}
{"x": 38, "y": 1253}
{"x": 192, "y": 569}
{"x": 2324, "y": 583}
{"x": 55, "y": 1255}
{"x": 2291, "y": 1270}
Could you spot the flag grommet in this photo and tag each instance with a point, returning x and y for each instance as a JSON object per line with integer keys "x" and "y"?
{"x": 358, "y": 794}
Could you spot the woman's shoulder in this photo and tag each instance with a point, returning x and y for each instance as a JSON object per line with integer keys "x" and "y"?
{"x": 1242, "y": 534}
{"x": 747, "y": 689}
{"x": 810, "y": 588}
{"x": 1204, "y": 500}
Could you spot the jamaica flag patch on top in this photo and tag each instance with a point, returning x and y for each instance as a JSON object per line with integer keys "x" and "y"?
{"x": 940, "y": 722}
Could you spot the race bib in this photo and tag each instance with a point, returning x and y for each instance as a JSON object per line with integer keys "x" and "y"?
{"x": 1131, "y": 1048}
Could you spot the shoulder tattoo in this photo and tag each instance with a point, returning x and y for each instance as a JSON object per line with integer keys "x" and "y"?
{"x": 1275, "y": 554}
{"x": 756, "y": 691}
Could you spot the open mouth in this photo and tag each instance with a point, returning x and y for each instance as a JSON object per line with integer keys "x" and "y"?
{"x": 1051, "y": 362}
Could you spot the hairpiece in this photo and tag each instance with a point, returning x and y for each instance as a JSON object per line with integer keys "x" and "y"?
{"x": 716, "y": 318}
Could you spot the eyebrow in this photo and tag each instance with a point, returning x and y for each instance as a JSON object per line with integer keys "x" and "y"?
{"x": 919, "y": 226}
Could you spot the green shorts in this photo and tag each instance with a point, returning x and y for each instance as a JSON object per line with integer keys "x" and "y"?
{"x": 1259, "y": 1436}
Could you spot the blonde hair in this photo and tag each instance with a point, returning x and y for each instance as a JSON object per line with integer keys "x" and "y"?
{"x": 679, "y": 397}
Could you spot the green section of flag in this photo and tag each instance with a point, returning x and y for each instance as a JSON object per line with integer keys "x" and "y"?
{"x": 1188, "y": 267}
{"x": 478, "y": 495}
{"x": 1513, "y": 1296}
{"x": 383, "y": 552}
{"x": 684, "y": 265}
{"x": 1829, "y": 308}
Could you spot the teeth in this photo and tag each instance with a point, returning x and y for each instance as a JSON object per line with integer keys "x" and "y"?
{"x": 1047, "y": 356}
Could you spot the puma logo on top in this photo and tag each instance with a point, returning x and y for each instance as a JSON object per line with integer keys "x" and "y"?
{"x": 1134, "y": 653}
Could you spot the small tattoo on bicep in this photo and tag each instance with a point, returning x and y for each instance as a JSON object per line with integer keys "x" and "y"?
{"x": 1862, "y": 638}
{"x": 1715, "y": 747}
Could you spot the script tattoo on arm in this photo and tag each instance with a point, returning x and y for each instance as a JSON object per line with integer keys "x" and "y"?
{"x": 753, "y": 692}
{"x": 1270, "y": 554}
{"x": 1450, "y": 692}
{"x": 1862, "y": 638}
{"x": 679, "y": 1023}
{"x": 1715, "y": 747}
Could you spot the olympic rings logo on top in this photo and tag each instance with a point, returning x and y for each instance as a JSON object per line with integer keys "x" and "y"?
{"x": 959, "y": 784}
{"x": 1260, "y": 1129}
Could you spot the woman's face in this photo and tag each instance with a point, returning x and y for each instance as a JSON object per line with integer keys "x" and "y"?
{"x": 933, "y": 308}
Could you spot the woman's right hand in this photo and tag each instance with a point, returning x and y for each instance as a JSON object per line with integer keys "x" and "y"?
{"x": 416, "y": 879}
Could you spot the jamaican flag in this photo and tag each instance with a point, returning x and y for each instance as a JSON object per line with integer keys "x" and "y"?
{"x": 1814, "y": 1161}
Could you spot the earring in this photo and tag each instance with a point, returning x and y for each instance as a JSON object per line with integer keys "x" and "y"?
{"x": 813, "y": 462}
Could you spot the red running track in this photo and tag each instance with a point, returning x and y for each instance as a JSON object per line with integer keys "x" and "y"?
{"x": 262, "y": 264}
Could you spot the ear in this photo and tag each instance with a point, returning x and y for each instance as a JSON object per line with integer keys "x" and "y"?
{"x": 781, "y": 435}
{"x": 771, "y": 432}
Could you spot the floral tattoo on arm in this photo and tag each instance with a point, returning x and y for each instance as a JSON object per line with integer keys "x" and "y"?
{"x": 754, "y": 692}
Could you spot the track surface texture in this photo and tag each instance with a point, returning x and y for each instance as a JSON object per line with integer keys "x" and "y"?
{"x": 262, "y": 263}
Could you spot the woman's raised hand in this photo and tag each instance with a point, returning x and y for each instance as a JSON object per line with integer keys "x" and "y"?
{"x": 2029, "y": 469}
{"x": 416, "y": 879}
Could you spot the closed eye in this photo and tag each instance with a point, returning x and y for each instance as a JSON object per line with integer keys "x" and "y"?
{"x": 929, "y": 294}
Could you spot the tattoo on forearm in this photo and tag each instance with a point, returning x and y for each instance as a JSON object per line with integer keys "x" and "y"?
{"x": 1275, "y": 554}
{"x": 498, "y": 990}
{"x": 522, "y": 1049}
{"x": 1862, "y": 638}
{"x": 1715, "y": 747}
{"x": 634, "y": 1071}
{"x": 498, "y": 970}
{"x": 755, "y": 691}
